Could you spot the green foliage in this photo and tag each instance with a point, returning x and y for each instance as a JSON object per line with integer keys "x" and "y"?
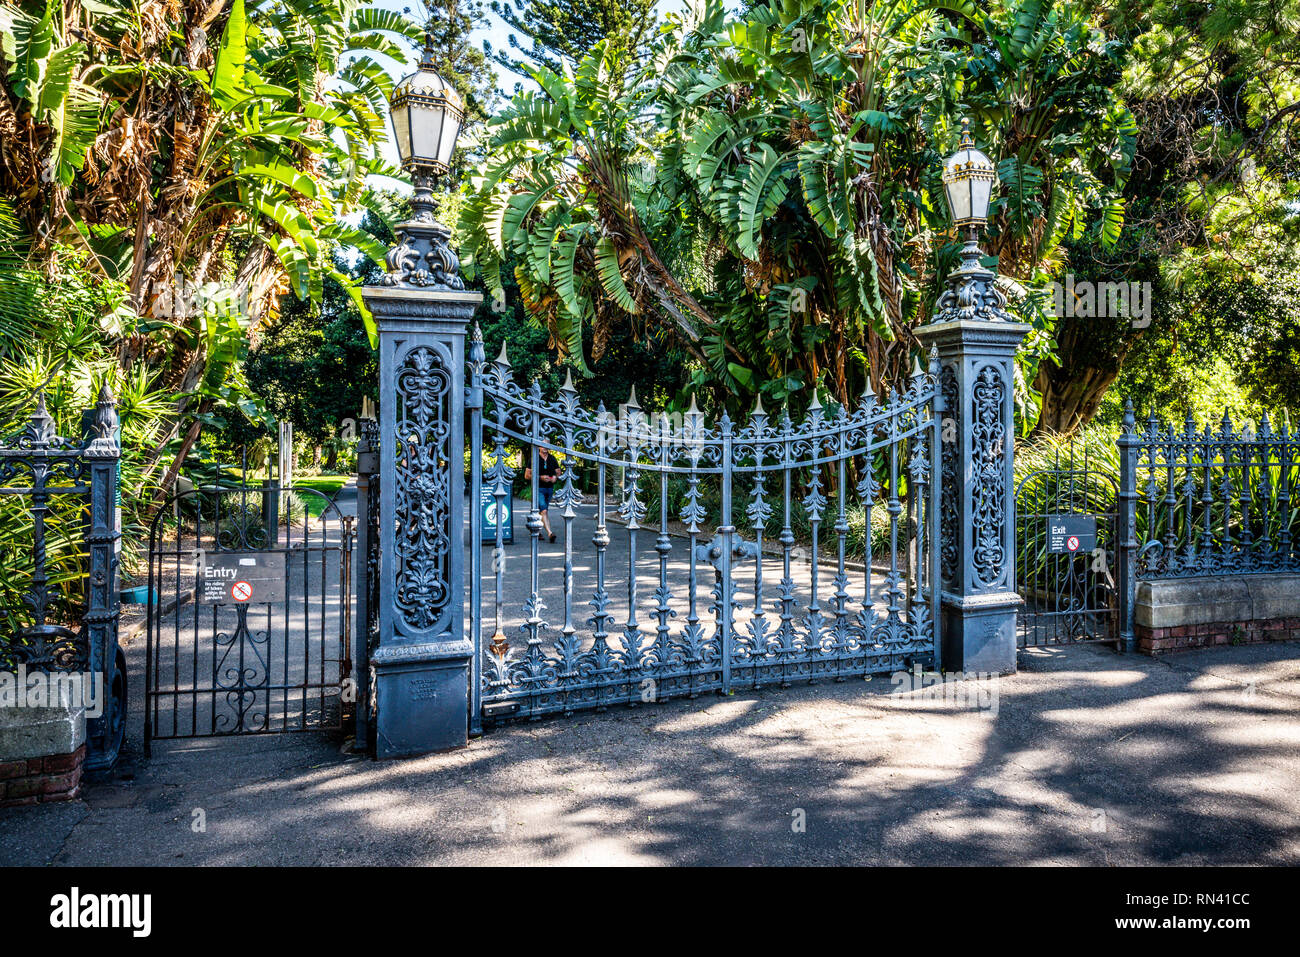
{"x": 204, "y": 157}
{"x": 61, "y": 355}
{"x": 764, "y": 188}
{"x": 652, "y": 365}
{"x": 314, "y": 366}
{"x": 1210, "y": 208}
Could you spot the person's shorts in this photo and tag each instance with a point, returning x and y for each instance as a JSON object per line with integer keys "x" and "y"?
{"x": 545, "y": 491}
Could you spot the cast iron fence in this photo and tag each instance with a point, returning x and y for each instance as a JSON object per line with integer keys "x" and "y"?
{"x": 1197, "y": 501}
{"x": 710, "y": 565}
{"x": 1210, "y": 501}
{"x": 60, "y": 599}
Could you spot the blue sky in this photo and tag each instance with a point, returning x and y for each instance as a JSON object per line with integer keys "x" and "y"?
{"x": 496, "y": 32}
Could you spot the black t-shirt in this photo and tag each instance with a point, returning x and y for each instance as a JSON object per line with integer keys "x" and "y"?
{"x": 547, "y": 466}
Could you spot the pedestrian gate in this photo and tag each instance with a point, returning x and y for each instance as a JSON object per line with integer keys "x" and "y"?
{"x": 1067, "y": 544}
{"x": 249, "y": 613}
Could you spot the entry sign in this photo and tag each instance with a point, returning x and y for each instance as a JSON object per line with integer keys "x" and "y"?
{"x": 240, "y": 578}
{"x": 487, "y": 509}
{"x": 1071, "y": 533}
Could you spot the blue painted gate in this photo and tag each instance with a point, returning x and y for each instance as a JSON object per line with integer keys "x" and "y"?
{"x": 693, "y": 555}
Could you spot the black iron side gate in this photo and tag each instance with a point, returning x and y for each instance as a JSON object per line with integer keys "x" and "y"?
{"x": 249, "y": 614}
{"x": 1066, "y": 563}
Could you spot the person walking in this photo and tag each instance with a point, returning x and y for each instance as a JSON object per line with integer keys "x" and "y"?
{"x": 548, "y": 468}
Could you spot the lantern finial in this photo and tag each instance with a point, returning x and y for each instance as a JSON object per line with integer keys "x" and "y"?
{"x": 427, "y": 113}
{"x": 968, "y": 180}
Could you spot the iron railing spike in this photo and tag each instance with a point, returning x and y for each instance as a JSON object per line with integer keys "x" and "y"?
{"x": 41, "y": 428}
{"x": 477, "y": 353}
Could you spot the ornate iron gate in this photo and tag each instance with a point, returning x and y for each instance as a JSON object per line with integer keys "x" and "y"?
{"x": 249, "y": 619}
{"x": 698, "y": 520}
{"x": 1067, "y": 544}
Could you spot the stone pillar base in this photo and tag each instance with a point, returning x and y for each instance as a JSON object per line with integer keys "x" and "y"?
{"x": 421, "y": 691}
{"x": 979, "y": 633}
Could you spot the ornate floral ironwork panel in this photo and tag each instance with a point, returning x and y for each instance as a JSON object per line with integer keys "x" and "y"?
{"x": 421, "y": 485}
{"x": 949, "y": 508}
{"x": 988, "y": 477}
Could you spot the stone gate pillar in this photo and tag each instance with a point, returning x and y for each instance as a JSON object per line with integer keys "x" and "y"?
{"x": 976, "y": 339}
{"x": 422, "y": 663}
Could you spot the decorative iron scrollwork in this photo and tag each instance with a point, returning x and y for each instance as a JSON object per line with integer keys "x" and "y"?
{"x": 421, "y": 489}
{"x": 989, "y": 479}
{"x": 423, "y": 257}
{"x": 824, "y": 474}
{"x": 949, "y": 512}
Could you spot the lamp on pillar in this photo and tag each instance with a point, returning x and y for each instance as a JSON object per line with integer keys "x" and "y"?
{"x": 427, "y": 113}
{"x": 422, "y": 310}
{"x": 976, "y": 339}
{"x": 969, "y": 177}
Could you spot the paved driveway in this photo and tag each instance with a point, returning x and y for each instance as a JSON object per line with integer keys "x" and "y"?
{"x": 1088, "y": 758}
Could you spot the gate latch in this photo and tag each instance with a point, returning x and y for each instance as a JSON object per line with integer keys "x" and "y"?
{"x": 712, "y": 551}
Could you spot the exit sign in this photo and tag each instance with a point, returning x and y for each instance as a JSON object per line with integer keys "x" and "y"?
{"x": 1067, "y": 534}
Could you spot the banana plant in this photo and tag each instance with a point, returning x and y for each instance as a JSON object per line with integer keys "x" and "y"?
{"x": 765, "y": 188}
{"x": 174, "y": 146}
{"x": 268, "y": 118}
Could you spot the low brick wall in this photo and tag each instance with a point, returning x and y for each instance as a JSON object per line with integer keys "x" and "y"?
{"x": 55, "y": 777}
{"x": 1185, "y": 613}
{"x": 42, "y": 754}
{"x": 1153, "y": 641}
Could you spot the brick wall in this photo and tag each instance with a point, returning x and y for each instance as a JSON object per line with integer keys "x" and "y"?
{"x": 56, "y": 777}
{"x": 1155, "y": 641}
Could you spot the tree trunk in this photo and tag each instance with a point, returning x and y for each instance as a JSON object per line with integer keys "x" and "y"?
{"x": 1089, "y": 351}
{"x": 1069, "y": 402}
{"x": 187, "y": 443}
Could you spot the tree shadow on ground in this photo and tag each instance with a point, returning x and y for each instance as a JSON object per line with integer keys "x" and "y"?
{"x": 1087, "y": 758}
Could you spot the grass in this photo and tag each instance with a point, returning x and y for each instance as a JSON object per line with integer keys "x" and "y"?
{"x": 327, "y": 485}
